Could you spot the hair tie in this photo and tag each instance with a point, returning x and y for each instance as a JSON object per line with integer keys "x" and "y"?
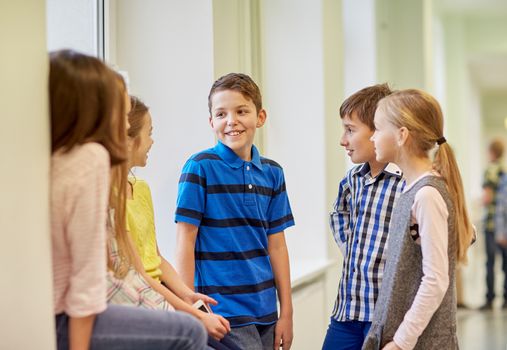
{"x": 441, "y": 140}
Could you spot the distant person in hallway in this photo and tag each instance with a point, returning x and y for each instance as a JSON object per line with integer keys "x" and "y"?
{"x": 429, "y": 232}
{"x": 232, "y": 210}
{"x": 88, "y": 141}
{"x": 495, "y": 219}
{"x": 360, "y": 221}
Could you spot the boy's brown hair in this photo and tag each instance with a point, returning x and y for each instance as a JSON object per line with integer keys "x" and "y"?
{"x": 241, "y": 83}
{"x": 364, "y": 103}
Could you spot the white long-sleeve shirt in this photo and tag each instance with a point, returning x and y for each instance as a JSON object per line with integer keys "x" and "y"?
{"x": 429, "y": 212}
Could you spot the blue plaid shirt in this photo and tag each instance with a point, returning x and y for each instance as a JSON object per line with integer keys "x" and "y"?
{"x": 360, "y": 225}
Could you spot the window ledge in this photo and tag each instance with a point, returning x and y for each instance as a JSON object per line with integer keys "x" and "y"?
{"x": 306, "y": 272}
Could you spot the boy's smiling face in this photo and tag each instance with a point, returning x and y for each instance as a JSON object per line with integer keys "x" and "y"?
{"x": 356, "y": 140}
{"x": 234, "y": 119}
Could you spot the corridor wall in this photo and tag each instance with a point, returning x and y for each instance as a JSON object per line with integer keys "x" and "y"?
{"x": 26, "y": 286}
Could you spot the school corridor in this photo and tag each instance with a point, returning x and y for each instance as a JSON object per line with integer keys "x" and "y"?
{"x": 307, "y": 56}
{"x": 481, "y": 329}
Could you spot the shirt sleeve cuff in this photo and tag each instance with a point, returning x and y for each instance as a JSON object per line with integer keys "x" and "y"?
{"x": 402, "y": 342}
{"x": 188, "y": 220}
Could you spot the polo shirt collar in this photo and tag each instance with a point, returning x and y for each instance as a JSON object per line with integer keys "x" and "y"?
{"x": 232, "y": 159}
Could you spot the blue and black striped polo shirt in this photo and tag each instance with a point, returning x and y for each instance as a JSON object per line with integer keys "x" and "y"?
{"x": 236, "y": 205}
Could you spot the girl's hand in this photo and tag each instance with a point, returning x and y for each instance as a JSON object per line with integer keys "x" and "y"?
{"x": 216, "y": 325}
{"x": 391, "y": 346}
{"x": 193, "y": 297}
{"x": 283, "y": 333}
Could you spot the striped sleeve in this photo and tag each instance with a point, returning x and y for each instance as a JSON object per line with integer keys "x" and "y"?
{"x": 279, "y": 212}
{"x": 191, "y": 201}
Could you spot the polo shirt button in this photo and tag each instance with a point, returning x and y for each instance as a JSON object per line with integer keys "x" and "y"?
{"x": 250, "y": 186}
{"x": 247, "y": 167}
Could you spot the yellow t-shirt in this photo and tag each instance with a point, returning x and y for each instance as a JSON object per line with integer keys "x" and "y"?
{"x": 141, "y": 225}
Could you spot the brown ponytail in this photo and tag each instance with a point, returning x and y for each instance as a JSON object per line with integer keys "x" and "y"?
{"x": 445, "y": 164}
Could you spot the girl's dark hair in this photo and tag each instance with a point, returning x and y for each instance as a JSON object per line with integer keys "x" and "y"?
{"x": 84, "y": 100}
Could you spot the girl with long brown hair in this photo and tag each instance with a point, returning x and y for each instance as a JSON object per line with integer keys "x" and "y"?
{"x": 88, "y": 137}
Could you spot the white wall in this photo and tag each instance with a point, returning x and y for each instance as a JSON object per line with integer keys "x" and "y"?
{"x": 26, "y": 284}
{"x": 302, "y": 78}
{"x": 293, "y": 81}
{"x": 400, "y": 43}
{"x": 167, "y": 49}
{"x": 72, "y": 24}
{"x": 360, "y": 46}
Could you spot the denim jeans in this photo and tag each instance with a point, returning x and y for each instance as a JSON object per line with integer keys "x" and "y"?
{"x": 225, "y": 343}
{"x": 491, "y": 250}
{"x": 129, "y": 327}
{"x": 346, "y": 335}
{"x": 254, "y": 337}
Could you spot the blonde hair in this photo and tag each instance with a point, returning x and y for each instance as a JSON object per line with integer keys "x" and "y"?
{"x": 421, "y": 114}
{"x": 118, "y": 192}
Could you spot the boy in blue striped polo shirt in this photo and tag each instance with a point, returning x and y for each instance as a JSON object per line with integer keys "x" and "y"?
{"x": 232, "y": 210}
{"x": 360, "y": 221}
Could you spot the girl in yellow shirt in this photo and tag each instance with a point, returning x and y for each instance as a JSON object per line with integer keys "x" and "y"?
{"x": 159, "y": 273}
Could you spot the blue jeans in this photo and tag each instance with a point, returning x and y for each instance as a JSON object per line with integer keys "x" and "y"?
{"x": 130, "y": 327}
{"x": 347, "y": 335}
{"x": 254, "y": 337}
{"x": 491, "y": 250}
{"x": 225, "y": 343}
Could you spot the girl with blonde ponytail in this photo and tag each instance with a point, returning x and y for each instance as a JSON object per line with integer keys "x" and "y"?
{"x": 430, "y": 230}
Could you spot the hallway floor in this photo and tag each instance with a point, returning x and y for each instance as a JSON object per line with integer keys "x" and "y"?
{"x": 481, "y": 330}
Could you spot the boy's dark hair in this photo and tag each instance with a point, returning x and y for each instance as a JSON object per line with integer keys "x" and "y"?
{"x": 241, "y": 83}
{"x": 364, "y": 103}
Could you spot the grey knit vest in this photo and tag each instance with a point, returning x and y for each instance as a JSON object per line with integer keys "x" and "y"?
{"x": 402, "y": 277}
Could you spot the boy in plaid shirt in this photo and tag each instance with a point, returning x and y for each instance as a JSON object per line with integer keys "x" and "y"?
{"x": 360, "y": 221}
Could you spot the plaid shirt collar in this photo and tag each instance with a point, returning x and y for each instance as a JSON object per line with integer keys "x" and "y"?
{"x": 390, "y": 169}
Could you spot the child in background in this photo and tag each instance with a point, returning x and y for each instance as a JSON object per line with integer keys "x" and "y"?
{"x": 155, "y": 270}
{"x": 86, "y": 126}
{"x": 232, "y": 210}
{"x": 430, "y": 229}
{"x": 360, "y": 221}
{"x": 494, "y": 224}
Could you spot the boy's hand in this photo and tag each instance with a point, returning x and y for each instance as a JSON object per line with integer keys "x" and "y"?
{"x": 283, "y": 333}
{"x": 192, "y": 298}
{"x": 216, "y": 325}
